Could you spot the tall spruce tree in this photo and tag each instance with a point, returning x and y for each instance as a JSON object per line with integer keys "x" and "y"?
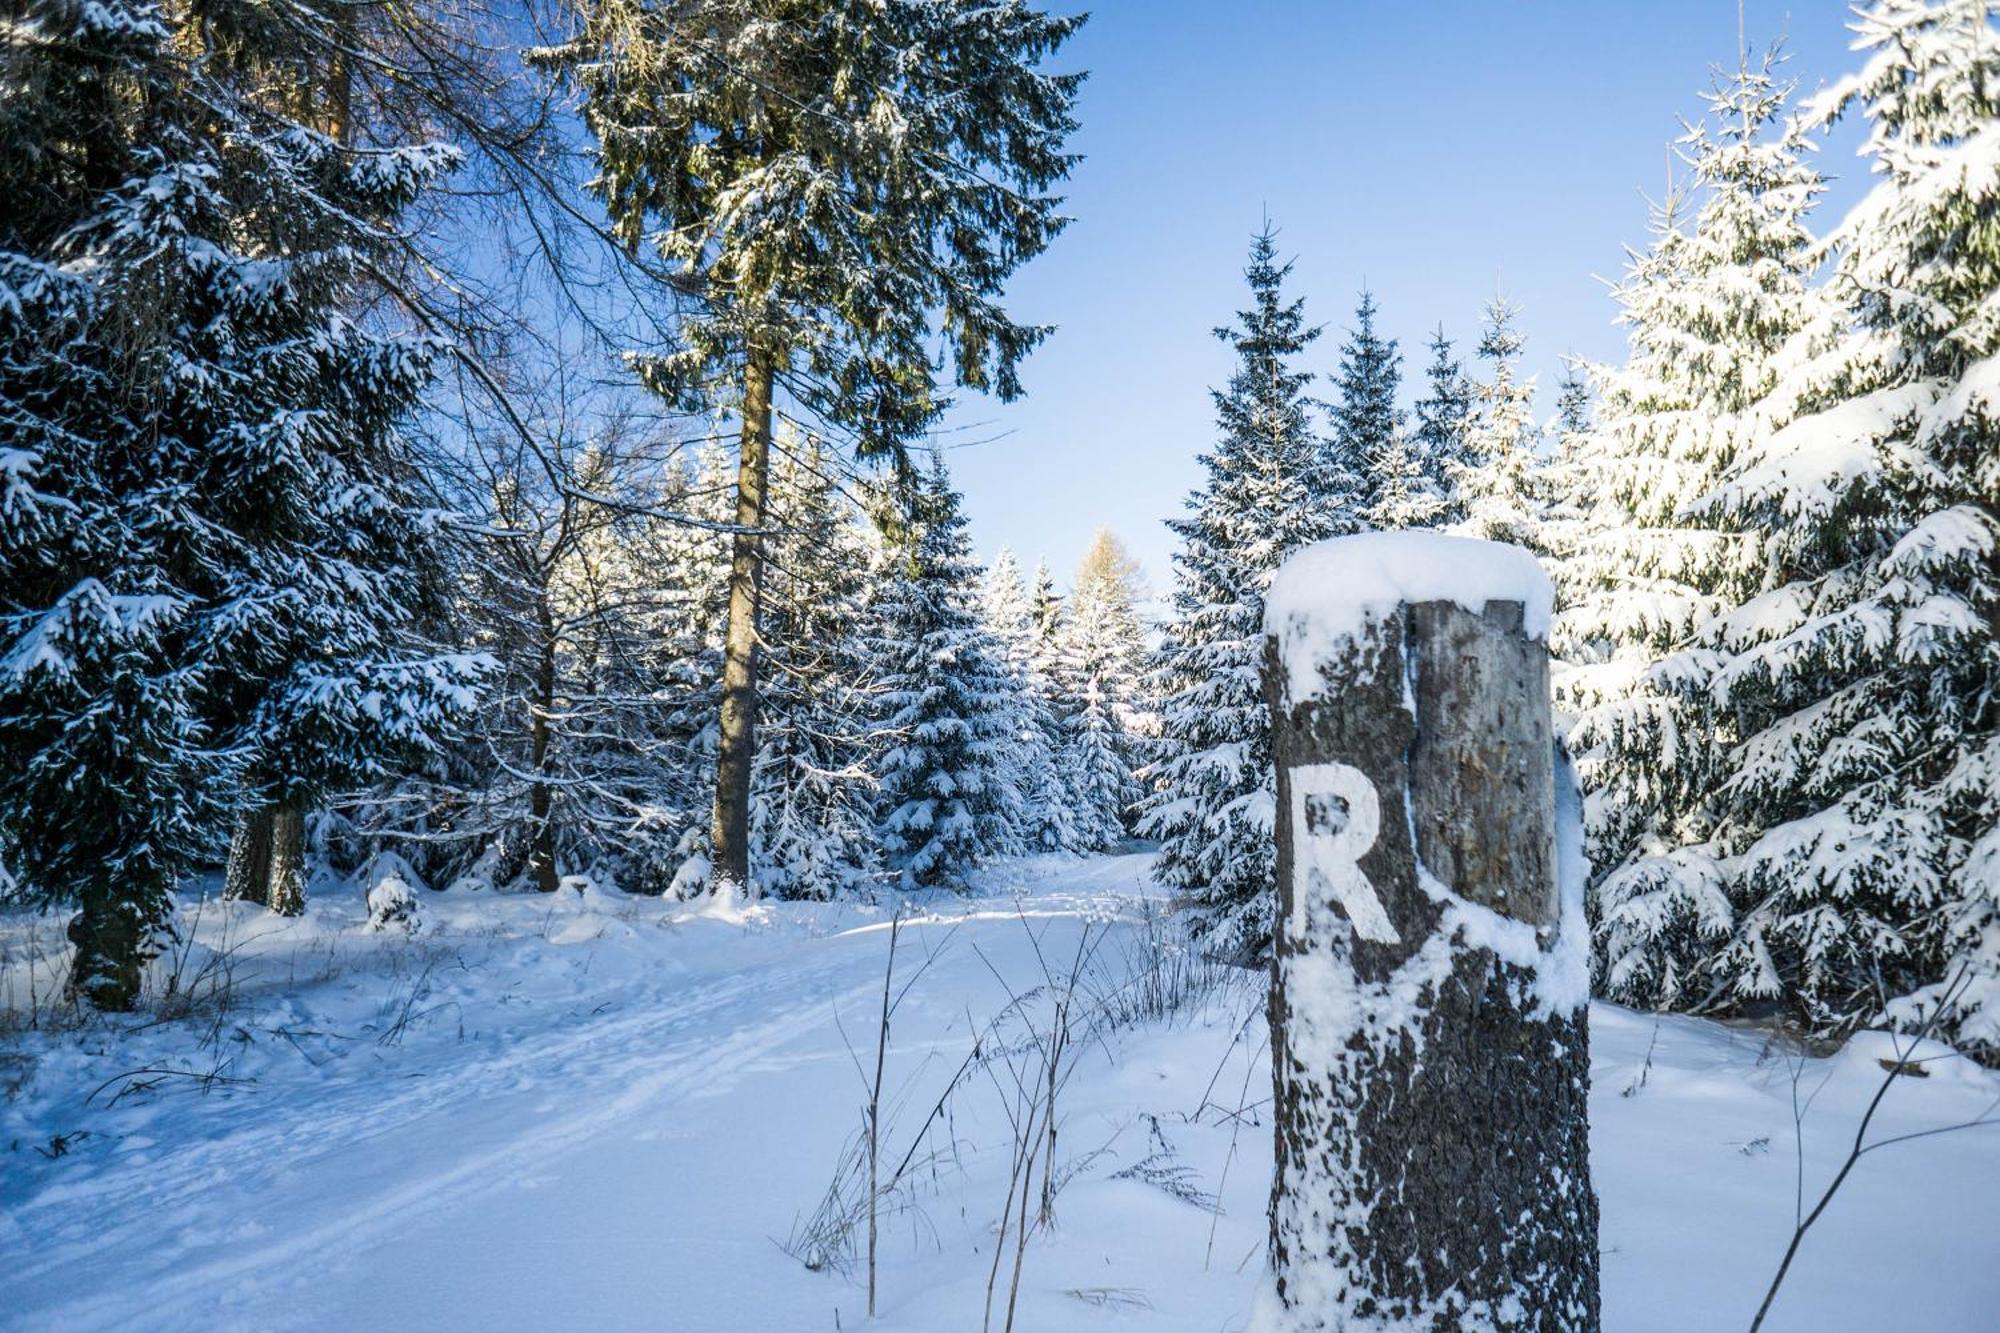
{"x": 1713, "y": 311}
{"x": 222, "y": 560}
{"x": 1494, "y": 481}
{"x": 1367, "y": 426}
{"x": 1048, "y": 614}
{"x": 1098, "y": 690}
{"x": 1048, "y": 817}
{"x": 812, "y": 826}
{"x": 1212, "y": 804}
{"x": 947, "y": 735}
{"x": 1444, "y": 422}
{"x": 1854, "y": 828}
{"x": 1566, "y": 523}
{"x": 834, "y": 183}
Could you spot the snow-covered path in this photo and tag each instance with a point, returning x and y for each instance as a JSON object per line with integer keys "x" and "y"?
{"x": 606, "y": 1113}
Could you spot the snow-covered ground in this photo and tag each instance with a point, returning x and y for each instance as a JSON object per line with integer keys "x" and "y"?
{"x": 610, "y": 1112}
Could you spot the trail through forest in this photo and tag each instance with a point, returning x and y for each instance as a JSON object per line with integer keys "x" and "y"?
{"x": 607, "y": 1112}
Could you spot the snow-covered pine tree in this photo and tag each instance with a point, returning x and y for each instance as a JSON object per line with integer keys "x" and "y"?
{"x": 1211, "y": 807}
{"x": 1048, "y": 822}
{"x": 1444, "y": 422}
{"x": 1098, "y": 685}
{"x": 1713, "y": 310}
{"x": 1857, "y": 829}
{"x": 1007, "y": 607}
{"x": 1406, "y": 495}
{"x": 227, "y": 561}
{"x": 1565, "y": 521}
{"x": 1048, "y": 613}
{"x": 812, "y": 823}
{"x": 1495, "y": 481}
{"x": 1365, "y": 441}
{"x": 1573, "y": 402}
{"x": 836, "y": 185}
{"x": 948, "y": 714}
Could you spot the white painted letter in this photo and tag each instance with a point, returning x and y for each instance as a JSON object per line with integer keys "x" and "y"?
{"x": 1336, "y": 816}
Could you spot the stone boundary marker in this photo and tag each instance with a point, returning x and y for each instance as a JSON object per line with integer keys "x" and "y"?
{"x": 1429, "y": 1024}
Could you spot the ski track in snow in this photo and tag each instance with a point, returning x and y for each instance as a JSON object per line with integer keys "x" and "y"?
{"x": 672, "y": 1045}
{"x": 674, "y": 1056}
{"x": 639, "y": 1098}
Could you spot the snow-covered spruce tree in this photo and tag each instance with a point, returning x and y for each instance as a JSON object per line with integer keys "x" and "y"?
{"x": 1566, "y": 518}
{"x": 1494, "y": 482}
{"x": 949, "y": 716}
{"x": 1573, "y": 402}
{"x": 835, "y": 183}
{"x": 1444, "y": 421}
{"x": 1211, "y": 807}
{"x": 313, "y": 72}
{"x": 1048, "y": 822}
{"x": 812, "y": 825}
{"x": 1365, "y": 440}
{"x": 1714, "y": 311}
{"x": 224, "y": 561}
{"x": 1049, "y": 612}
{"x": 1098, "y": 686}
{"x": 1405, "y": 493}
{"x": 1855, "y": 829}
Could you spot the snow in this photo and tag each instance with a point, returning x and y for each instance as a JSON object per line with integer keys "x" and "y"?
{"x": 1334, "y": 590}
{"x": 588, "y": 1110}
{"x": 1804, "y": 469}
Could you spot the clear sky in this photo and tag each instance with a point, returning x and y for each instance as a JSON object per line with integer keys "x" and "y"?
{"x": 1435, "y": 150}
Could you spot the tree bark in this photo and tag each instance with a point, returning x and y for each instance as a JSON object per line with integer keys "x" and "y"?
{"x": 248, "y": 876}
{"x": 737, "y": 749}
{"x": 110, "y": 935}
{"x": 1428, "y": 1018}
{"x": 286, "y": 889}
{"x": 267, "y": 857}
{"x": 542, "y": 829}
{"x": 340, "y": 78}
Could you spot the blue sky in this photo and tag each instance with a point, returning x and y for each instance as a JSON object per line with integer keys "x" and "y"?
{"x": 1437, "y": 150}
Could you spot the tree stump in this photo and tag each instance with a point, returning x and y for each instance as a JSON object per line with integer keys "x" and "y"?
{"x": 1428, "y": 1002}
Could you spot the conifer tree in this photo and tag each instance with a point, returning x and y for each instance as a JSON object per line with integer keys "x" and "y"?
{"x": 223, "y": 562}
{"x": 1211, "y": 807}
{"x": 1573, "y": 402}
{"x": 813, "y": 800}
{"x": 1367, "y": 425}
{"x": 1048, "y": 616}
{"x": 1573, "y": 498}
{"x": 1854, "y": 828}
{"x": 1098, "y": 686}
{"x": 1712, "y": 311}
{"x": 1444, "y": 422}
{"x": 834, "y": 184}
{"x": 947, "y": 747}
{"x": 1047, "y": 818}
{"x": 1406, "y": 495}
{"x": 1494, "y": 482}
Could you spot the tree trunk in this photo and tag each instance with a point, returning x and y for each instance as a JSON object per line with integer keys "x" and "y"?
{"x": 111, "y": 936}
{"x": 248, "y": 876}
{"x": 340, "y": 78}
{"x": 267, "y": 857}
{"x": 737, "y": 750}
{"x": 542, "y": 829}
{"x": 286, "y": 888}
{"x": 1428, "y": 998}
